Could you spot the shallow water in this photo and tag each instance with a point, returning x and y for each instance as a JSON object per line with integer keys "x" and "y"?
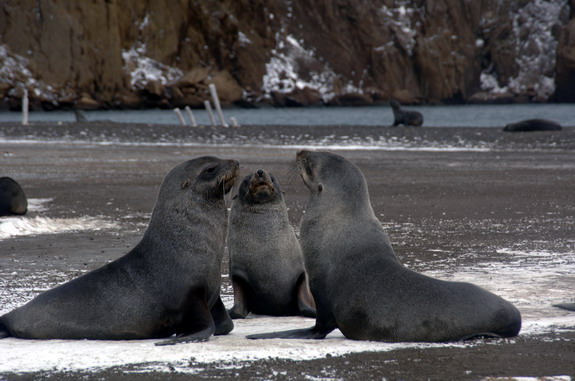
{"x": 434, "y": 116}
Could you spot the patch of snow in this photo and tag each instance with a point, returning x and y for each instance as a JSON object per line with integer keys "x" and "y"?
{"x": 18, "y": 226}
{"x": 38, "y": 204}
{"x": 243, "y": 39}
{"x": 399, "y": 18}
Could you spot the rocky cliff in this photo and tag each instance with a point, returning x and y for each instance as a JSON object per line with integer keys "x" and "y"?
{"x": 154, "y": 53}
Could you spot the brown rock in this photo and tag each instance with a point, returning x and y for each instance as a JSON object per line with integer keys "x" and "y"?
{"x": 193, "y": 77}
{"x": 352, "y": 99}
{"x": 86, "y": 102}
{"x": 155, "y": 88}
{"x": 404, "y": 96}
{"x": 227, "y": 87}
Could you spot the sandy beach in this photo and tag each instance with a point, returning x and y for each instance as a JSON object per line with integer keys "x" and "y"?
{"x": 472, "y": 204}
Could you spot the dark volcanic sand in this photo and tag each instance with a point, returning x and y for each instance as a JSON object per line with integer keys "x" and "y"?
{"x": 478, "y": 191}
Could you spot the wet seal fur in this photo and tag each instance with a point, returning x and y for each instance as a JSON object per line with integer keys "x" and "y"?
{"x": 358, "y": 283}
{"x": 266, "y": 263}
{"x": 13, "y": 201}
{"x": 169, "y": 283}
{"x": 529, "y": 125}
{"x": 407, "y": 118}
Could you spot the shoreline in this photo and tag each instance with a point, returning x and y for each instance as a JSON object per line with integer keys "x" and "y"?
{"x": 501, "y": 218}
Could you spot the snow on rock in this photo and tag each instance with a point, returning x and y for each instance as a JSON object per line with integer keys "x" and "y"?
{"x": 14, "y": 71}
{"x": 287, "y": 71}
{"x": 142, "y": 69}
{"x": 535, "y": 48}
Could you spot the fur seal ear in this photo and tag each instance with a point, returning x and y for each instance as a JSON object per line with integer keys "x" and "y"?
{"x": 186, "y": 184}
{"x": 320, "y": 187}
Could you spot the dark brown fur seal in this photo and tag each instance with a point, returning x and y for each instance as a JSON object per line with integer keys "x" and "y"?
{"x": 168, "y": 284}
{"x": 266, "y": 263}
{"x": 12, "y": 198}
{"x": 407, "y": 118}
{"x": 358, "y": 283}
{"x": 529, "y": 125}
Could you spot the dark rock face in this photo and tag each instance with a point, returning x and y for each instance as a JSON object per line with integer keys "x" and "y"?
{"x": 165, "y": 53}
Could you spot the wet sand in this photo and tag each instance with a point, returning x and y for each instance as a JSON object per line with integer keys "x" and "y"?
{"x": 472, "y": 204}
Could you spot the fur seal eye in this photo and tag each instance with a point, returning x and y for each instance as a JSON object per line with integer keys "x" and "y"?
{"x": 211, "y": 170}
{"x": 320, "y": 187}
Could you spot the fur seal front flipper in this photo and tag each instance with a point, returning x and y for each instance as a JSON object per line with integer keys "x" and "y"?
{"x": 266, "y": 264}
{"x": 566, "y": 306}
{"x": 358, "y": 283}
{"x": 169, "y": 283}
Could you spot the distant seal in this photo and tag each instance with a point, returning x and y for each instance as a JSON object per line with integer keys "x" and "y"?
{"x": 266, "y": 263}
{"x": 358, "y": 283}
{"x": 168, "y": 284}
{"x": 12, "y": 198}
{"x": 532, "y": 125}
{"x": 407, "y": 118}
{"x": 566, "y": 306}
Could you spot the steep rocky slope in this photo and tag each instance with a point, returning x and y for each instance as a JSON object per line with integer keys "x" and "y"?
{"x": 134, "y": 53}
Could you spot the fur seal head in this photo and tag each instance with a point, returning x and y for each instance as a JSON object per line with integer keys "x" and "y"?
{"x": 259, "y": 187}
{"x": 331, "y": 175}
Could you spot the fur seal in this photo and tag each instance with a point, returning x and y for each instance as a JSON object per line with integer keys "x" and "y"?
{"x": 532, "y": 125}
{"x": 12, "y": 198}
{"x": 407, "y": 118}
{"x": 169, "y": 283}
{"x": 266, "y": 264}
{"x": 566, "y": 306}
{"x": 359, "y": 285}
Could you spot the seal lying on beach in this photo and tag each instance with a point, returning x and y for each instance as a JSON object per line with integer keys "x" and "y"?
{"x": 266, "y": 263}
{"x": 12, "y": 198}
{"x": 532, "y": 125}
{"x": 407, "y": 118}
{"x": 168, "y": 284}
{"x": 359, "y": 285}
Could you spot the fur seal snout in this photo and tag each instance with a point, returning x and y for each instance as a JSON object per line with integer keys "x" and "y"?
{"x": 12, "y": 198}
{"x": 266, "y": 264}
{"x": 169, "y": 283}
{"x": 358, "y": 283}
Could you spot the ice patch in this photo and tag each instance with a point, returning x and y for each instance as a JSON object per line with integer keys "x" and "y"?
{"x": 72, "y": 355}
{"x": 38, "y": 204}
{"x": 18, "y": 226}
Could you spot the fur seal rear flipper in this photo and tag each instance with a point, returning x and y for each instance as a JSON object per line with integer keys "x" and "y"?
{"x": 169, "y": 283}
{"x": 357, "y": 281}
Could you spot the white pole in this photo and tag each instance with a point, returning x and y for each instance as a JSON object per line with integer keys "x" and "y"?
{"x": 25, "y": 108}
{"x": 180, "y": 117}
{"x": 210, "y": 113}
{"x": 217, "y": 104}
{"x": 191, "y": 115}
{"x": 234, "y": 121}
